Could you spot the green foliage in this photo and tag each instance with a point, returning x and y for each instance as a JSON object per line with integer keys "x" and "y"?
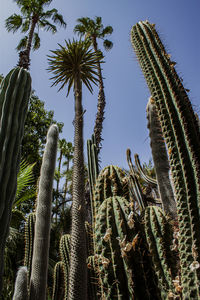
{"x": 33, "y": 12}
{"x": 74, "y": 58}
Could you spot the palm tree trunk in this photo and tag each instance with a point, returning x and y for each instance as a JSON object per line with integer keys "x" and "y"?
{"x": 24, "y": 56}
{"x": 98, "y": 127}
{"x": 78, "y": 267}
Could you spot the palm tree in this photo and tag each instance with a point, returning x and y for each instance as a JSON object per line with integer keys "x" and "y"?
{"x": 73, "y": 65}
{"x": 33, "y": 17}
{"x": 93, "y": 30}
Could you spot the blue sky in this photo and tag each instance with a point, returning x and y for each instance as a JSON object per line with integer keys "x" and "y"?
{"x": 126, "y": 92}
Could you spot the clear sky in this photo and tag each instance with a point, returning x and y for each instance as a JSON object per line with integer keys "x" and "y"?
{"x": 126, "y": 92}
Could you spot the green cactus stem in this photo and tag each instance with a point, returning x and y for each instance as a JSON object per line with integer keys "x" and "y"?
{"x": 159, "y": 233}
{"x": 29, "y": 241}
{"x": 181, "y": 133}
{"x": 21, "y": 284}
{"x": 161, "y": 163}
{"x": 144, "y": 176}
{"x": 65, "y": 257}
{"x": 58, "y": 281}
{"x": 38, "y": 279}
{"x": 14, "y": 96}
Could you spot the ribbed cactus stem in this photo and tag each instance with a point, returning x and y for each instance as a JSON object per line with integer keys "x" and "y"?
{"x": 58, "y": 281}
{"x": 29, "y": 241}
{"x": 159, "y": 235}
{"x": 38, "y": 280}
{"x": 181, "y": 132}
{"x": 21, "y": 285}
{"x": 65, "y": 257}
{"x": 160, "y": 158}
{"x": 14, "y": 96}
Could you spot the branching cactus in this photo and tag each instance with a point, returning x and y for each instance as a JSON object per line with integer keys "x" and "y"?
{"x": 181, "y": 132}
{"x": 29, "y": 241}
{"x": 14, "y": 96}
{"x": 21, "y": 285}
{"x": 38, "y": 279}
{"x": 160, "y": 159}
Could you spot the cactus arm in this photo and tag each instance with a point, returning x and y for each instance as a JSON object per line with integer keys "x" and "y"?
{"x": 146, "y": 178}
{"x": 182, "y": 136}
{"x": 38, "y": 279}
{"x": 160, "y": 159}
{"x": 21, "y": 284}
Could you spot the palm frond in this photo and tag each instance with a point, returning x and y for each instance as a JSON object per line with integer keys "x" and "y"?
{"x": 22, "y": 44}
{"x": 24, "y": 177}
{"x": 36, "y": 41}
{"x": 13, "y": 23}
{"x": 47, "y": 26}
{"x": 26, "y": 25}
{"x": 107, "y": 44}
{"x": 107, "y": 30}
{"x": 75, "y": 58}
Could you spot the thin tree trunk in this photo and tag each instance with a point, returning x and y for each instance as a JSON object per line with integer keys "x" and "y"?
{"x": 78, "y": 267}
{"x": 98, "y": 127}
{"x": 24, "y": 56}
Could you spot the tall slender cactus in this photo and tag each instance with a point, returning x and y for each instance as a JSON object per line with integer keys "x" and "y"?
{"x": 181, "y": 132}
{"x": 160, "y": 159}
{"x": 14, "y": 96}
{"x": 38, "y": 279}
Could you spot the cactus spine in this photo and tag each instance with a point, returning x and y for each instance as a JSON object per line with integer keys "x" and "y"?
{"x": 38, "y": 279}
{"x": 160, "y": 159}
{"x": 182, "y": 136}
{"x": 21, "y": 285}
{"x": 14, "y": 96}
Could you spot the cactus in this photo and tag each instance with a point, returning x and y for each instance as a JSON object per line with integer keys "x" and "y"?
{"x": 159, "y": 233}
{"x": 65, "y": 256}
{"x": 38, "y": 279}
{"x": 14, "y": 96}
{"x": 21, "y": 284}
{"x": 160, "y": 159}
{"x": 58, "y": 281}
{"x": 29, "y": 240}
{"x": 182, "y": 136}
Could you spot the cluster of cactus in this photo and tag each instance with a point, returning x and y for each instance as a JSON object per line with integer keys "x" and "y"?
{"x": 151, "y": 252}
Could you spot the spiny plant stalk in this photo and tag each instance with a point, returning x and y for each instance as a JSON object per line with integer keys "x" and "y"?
{"x": 14, "y": 96}
{"x": 160, "y": 159}
{"x": 29, "y": 241}
{"x": 65, "y": 257}
{"x": 58, "y": 281}
{"x": 159, "y": 233}
{"x": 38, "y": 279}
{"x": 21, "y": 285}
{"x": 181, "y": 132}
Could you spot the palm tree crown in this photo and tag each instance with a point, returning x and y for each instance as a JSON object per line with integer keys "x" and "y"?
{"x": 94, "y": 29}
{"x": 33, "y": 16}
{"x": 76, "y": 58}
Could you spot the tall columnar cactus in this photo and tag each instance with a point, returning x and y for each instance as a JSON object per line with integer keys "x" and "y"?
{"x": 29, "y": 241}
{"x": 181, "y": 132}
{"x": 14, "y": 96}
{"x": 38, "y": 279}
{"x": 159, "y": 233}
{"x": 160, "y": 159}
{"x": 65, "y": 257}
{"x": 21, "y": 285}
{"x": 58, "y": 281}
